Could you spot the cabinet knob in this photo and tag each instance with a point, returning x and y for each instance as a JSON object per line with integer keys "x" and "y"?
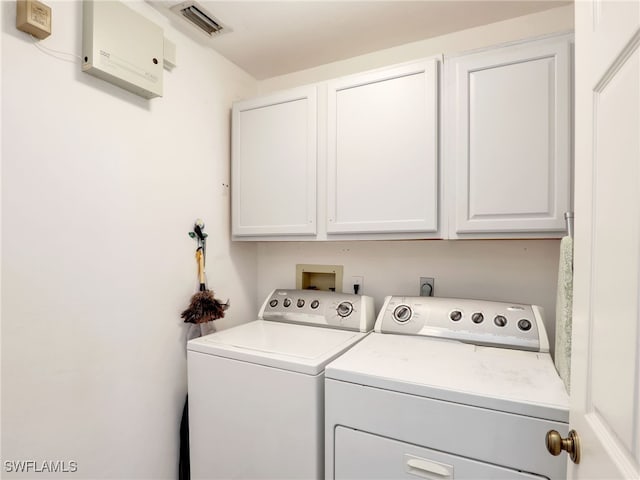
{"x": 571, "y": 444}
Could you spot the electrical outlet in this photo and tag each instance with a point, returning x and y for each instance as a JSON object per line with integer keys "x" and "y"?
{"x": 357, "y": 280}
{"x": 427, "y": 285}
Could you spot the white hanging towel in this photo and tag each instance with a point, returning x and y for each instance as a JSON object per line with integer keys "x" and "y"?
{"x": 564, "y": 304}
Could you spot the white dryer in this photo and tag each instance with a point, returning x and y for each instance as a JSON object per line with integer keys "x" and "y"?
{"x": 256, "y": 391}
{"x": 446, "y": 388}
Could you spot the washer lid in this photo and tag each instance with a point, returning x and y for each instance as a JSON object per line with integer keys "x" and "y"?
{"x": 300, "y": 348}
{"x": 507, "y": 380}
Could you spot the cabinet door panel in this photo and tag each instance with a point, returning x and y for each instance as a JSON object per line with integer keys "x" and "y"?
{"x": 511, "y": 138}
{"x": 274, "y": 165}
{"x": 382, "y": 173}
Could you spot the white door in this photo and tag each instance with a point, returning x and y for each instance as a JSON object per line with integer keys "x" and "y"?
{"x": 605, "y": 394}
{"x": 273, "y": 167}
{"x": 382, "y": 157}
{"x": 508, "y": 133}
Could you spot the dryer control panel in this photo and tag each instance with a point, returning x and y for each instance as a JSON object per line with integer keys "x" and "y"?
{"x": 480, "y": 322}
{"x": 320, "y": 308}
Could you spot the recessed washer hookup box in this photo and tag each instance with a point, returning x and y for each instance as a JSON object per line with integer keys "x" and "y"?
{"x": 122, "y": 47}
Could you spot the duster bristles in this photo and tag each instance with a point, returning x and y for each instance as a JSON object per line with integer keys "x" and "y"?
{"x": 204, "y": 308}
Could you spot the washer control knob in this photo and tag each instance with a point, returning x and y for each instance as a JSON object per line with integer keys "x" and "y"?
{"x": 315, "y": 304}
{"x": 402, "y": 313}
{"x": 287, "y": 302}
{"x": 500, "y": 320}
{"x": 344, "y": 309}
{"x": 477, "y": 317}
{"x": 273, "y": 303}
{"x": 524, "y": 325}
{"x": 456, "y": 315}
{"x": 300, "y": 303}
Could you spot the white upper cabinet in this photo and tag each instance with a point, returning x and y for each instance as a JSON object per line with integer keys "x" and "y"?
{"x": 358, "y": 157}
{"x": 382, "y": 151}
{"x": 274, "y": 151}
{"x": 508, "y": 139}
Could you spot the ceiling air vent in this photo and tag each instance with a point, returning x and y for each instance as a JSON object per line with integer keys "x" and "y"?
{"x": 199, "y": 17}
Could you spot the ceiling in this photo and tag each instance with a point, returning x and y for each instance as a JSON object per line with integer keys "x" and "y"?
{"x": 271, "y": 38}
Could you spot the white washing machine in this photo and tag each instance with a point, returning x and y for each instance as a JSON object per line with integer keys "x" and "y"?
{"x": 446, "y": 388}
{"x": 256, "y": 391}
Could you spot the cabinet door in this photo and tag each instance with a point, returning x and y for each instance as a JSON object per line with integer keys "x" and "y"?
{"x": 509, "y": 125}
{"x": 382, "y": 169}
{"x": 274, "y": 164}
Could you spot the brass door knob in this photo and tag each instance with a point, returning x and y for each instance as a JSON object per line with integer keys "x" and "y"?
{"x": 571, "y": 444}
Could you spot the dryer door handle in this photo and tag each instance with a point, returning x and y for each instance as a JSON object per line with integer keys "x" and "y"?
{"x": 421, "y": 467}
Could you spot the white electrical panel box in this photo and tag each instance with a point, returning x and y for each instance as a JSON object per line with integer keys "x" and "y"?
{"x": 122, "y": 47}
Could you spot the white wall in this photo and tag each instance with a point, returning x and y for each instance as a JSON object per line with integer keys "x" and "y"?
{"x": 99, "y": 190}
{"x": 517, "y": 270}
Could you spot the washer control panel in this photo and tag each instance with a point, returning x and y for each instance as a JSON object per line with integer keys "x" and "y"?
{"x": 320, "y": 308}
{"x": 480, "y": 322}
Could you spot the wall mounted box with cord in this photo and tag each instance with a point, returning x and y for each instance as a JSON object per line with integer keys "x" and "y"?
{"x": 34, "y": 18}
{"x": 122, "y": 47}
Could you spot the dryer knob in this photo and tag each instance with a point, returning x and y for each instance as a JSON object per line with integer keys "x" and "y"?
{"x": 273, "y": 303}
{"x": 524, "y": 325}
{"x": 287, "y": 302}
{"x": 344, "y": 309}
{"x": 402, "y": 313}
{"x": 500, "y": 320}
{"x": 300, "y": 303}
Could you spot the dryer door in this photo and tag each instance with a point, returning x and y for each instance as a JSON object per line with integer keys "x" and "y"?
{"x": 361, "y": 455}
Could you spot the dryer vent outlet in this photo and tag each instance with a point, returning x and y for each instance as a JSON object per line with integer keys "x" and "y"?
{"x": 427, "y": 286}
